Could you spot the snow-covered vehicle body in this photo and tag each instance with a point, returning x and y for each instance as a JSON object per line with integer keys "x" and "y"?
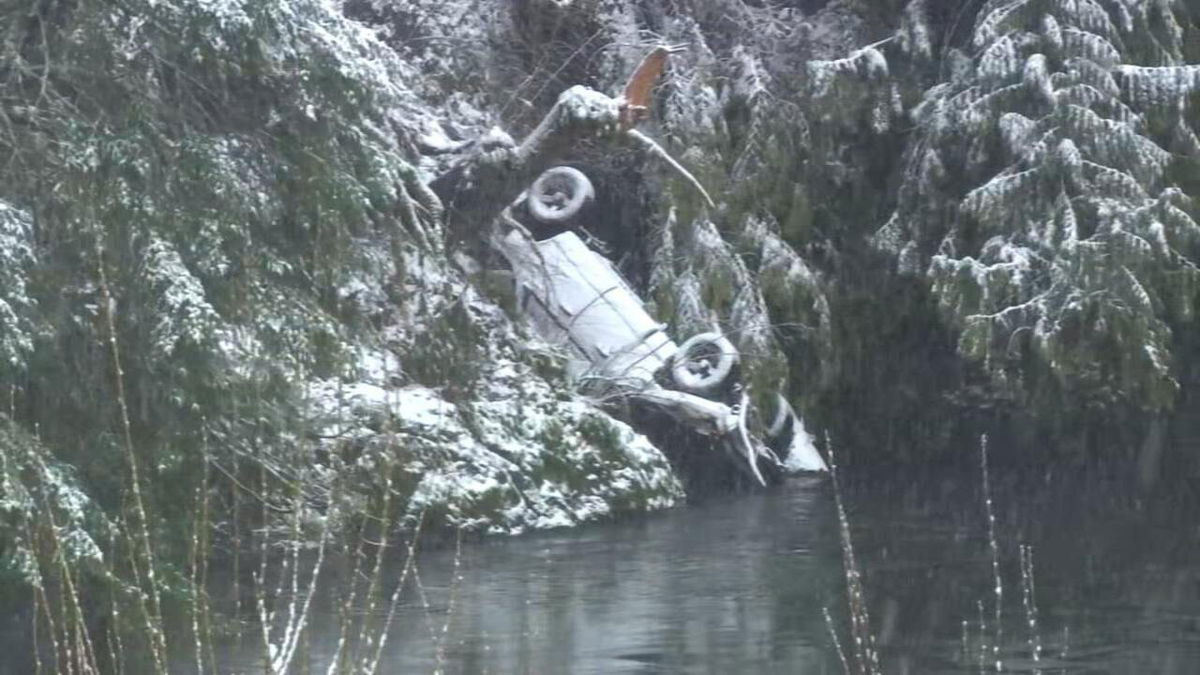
{"x": 576, "y": 298}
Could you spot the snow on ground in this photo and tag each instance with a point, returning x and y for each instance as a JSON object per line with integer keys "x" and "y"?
{"x": 520, "y": 454}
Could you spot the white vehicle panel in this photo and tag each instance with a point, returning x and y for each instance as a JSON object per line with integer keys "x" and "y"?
{"x": 584, "y": 304}
{"x": 575, "y": 298}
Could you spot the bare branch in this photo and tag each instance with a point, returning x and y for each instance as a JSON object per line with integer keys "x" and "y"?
{"x": 658, "y": 151}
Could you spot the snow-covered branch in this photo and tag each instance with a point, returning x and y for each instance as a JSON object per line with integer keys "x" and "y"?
{"x": 476, "y": 190}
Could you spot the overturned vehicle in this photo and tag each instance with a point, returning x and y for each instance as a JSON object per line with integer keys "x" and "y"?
{"x": 687, "y": 398}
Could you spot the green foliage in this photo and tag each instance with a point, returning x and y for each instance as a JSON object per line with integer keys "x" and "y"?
{"x": 450, "y": 351}
{"x": 601, "y": 434}
{"x": 231, "y": 166}
{"x": 16, "y": 307}
{"x": 1041, "y": 200}
{"x": 563, "y": 463}
{"x": 41, "y": 500}
{"x": 226, "y": 182}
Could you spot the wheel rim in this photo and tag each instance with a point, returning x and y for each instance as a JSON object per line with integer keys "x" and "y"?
{"x": 559, "y": 194}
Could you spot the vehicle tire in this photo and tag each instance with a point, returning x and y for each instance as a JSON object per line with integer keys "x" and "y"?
{"x": 704, "y": 362}
{"x": 783, "y": 415}
{"x": 558, "y": 195}
{"x": 780, "y": 430}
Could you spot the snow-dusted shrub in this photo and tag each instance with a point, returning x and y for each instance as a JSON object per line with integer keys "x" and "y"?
{"x": 43, "y": 507}
{"x": 238, "y": 169}
{"x": 17, "y": 317}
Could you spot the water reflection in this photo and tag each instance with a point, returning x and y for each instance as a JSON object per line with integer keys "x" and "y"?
{"x": 729, "y": 585}
{"x": 1116, "y": 583}
{"x": 737, "y": 585}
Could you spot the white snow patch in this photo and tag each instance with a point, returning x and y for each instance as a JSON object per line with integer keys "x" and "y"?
{"x": 518, "y": 455}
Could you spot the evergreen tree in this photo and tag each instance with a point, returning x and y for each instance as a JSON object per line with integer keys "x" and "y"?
{"x": 1042, "y": 197}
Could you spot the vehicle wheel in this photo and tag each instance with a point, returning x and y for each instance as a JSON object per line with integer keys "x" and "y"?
{"x": 779, "y": 431}
{"x": 558, "y": 195}
{"x": 704, "y": 363}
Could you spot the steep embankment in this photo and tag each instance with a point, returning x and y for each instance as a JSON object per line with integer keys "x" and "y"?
{"x": 230, "y": 316}
{"x": 220, "y": 255}
{"x": 232, "y": 310}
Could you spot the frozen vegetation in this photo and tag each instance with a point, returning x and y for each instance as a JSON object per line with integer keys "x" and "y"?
{"x": 232, "y": 296}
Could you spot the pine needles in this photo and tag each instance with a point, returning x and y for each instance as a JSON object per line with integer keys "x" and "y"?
{"x": 1057, "y": 145}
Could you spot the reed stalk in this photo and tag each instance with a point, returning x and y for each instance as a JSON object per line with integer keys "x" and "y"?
{"x": 837, "y": 644}
{"x": 37, "y": 648}
{"x": 206, "y": 549}
{"x": 346, "y": 611}
{"x": 1029, "y": 601}
{"x": 80, "y": 650}
{"x": 260, "y": 577}
{"x": 43, "y": 602}
{"x": 423, "y": 597}
{"x": 983, "y": 647}
{"x": 994, "y": 547}
{"x": 153, "y": 607}
{"x": 298, "y": 616}
{"x": 966, "y": 641}
{"x": 236, "y": 544}
{"x": 864, "y": 651}
{"x": 194, "y": 581}
{"x": 201, "y": 622}
{"x": 409, "y": 566}
{"x": 116, "y": 645}
{"x": 366, "y": 633}
{"x": 455, "y": 579}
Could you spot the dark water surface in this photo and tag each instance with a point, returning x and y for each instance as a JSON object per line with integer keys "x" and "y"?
{"x": 737, "y": 585}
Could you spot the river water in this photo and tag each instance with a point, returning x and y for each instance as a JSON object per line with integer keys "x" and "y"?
{"x": 738, "y": 584}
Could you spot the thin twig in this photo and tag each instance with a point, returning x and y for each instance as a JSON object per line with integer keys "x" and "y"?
{"x": 455, "y": 578}
{"x": 409, "y": 566}
{"x": 837, "y": 644}
{"x": 866, "y": 657}
{"x": 154, "y": 617}
{"x": 657, "y": 150}
{"x": 1029, "y": 600}
{"x": 366, "y": 634}
{"x": 997, "y": 583}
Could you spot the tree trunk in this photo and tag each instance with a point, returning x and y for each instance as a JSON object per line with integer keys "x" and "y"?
{"x": 477, "y": 189}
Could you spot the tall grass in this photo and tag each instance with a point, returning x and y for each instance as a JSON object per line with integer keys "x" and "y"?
{"x": 137, "y": 602}
{"x": 141, "y": 558}
{"x": 994, "y": 548}
{"x": 988, "y": 655}
{"x": 78, "y": 630}
{"x": 862, "y": 657}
